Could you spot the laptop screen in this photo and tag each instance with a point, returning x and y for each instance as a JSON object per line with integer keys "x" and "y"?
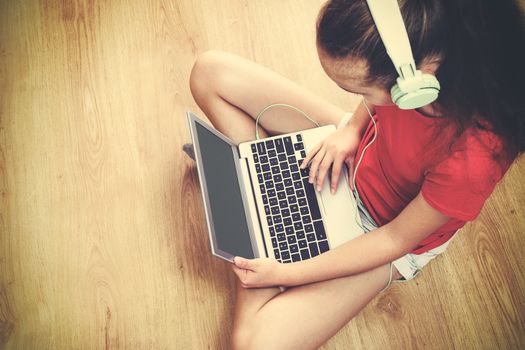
{"x": 224, "y": 195}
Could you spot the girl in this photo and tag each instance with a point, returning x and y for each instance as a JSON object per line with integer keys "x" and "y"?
{"x": 428, "y": 172}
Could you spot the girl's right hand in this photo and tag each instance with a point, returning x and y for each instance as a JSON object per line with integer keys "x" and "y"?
{"x": 336, "y": 149}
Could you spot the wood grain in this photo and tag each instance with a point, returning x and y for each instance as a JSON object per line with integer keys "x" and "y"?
{"x": 103, "y": 240}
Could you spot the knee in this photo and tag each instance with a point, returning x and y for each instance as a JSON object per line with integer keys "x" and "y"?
{"x": 205, "y": 73}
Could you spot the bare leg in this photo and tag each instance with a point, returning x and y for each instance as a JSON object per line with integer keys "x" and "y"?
{"x": 317, "y": 310}
{"x": 231, "y": 91}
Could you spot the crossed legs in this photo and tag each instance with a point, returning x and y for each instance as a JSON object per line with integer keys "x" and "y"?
{"x": 231, "y": 91}
{"x": 302, "y": 317}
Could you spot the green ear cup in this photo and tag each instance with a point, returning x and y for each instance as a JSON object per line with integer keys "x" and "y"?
{"x": 426, "y": 93}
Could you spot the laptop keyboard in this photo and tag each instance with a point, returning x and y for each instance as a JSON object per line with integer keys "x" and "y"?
{"x": 292, "y": 212}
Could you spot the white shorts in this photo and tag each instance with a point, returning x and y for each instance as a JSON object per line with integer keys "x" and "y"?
{"x": 409, "y": 265}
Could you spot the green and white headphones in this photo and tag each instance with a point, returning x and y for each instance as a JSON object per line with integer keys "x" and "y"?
{"x": 413, "y": 89}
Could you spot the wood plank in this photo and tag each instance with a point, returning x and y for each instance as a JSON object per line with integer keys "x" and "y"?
{"x": 103, "y": 241}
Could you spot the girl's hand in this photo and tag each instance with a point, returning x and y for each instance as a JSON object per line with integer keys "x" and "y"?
{"x": 338, "y": 148}
{"x": 258, "y": 273}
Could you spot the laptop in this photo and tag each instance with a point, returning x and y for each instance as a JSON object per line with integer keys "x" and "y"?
{"x": 258, "y": 202}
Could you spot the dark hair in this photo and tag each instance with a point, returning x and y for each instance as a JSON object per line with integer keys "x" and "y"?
{"x": 480, "y": 47}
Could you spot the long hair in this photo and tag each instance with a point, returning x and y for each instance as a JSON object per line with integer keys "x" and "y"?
{"x": 479, "y": 46}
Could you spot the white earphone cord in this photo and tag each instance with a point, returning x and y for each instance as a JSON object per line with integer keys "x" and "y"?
{"x": 358, "y": 199}
{"x": 279, "y": 105}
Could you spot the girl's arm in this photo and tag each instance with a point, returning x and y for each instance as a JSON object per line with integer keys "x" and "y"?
{"x": 360, "y": 118}
{"x": 368, "y": 251}
{"x": 338, "y": 148}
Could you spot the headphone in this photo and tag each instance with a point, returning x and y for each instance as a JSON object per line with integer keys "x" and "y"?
{"x": 413, "y": 89}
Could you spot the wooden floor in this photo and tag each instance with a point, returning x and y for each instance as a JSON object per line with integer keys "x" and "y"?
{"x": 103, "y": 241}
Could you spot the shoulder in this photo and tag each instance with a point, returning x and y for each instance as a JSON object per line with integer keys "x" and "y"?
{"x": 480, "y": 153}
{"x": 477, "y": 155}
{"x": 466, "y": 175}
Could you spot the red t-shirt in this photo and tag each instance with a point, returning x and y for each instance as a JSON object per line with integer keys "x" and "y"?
{"x": 414, "y": 153}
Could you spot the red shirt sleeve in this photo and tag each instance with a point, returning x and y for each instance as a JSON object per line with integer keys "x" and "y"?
{"x": 459, "y": 185}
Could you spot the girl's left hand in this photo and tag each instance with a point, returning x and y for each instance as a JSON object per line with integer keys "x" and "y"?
{"x": 335, "y": 150}
{"x": 258, "y": 273}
